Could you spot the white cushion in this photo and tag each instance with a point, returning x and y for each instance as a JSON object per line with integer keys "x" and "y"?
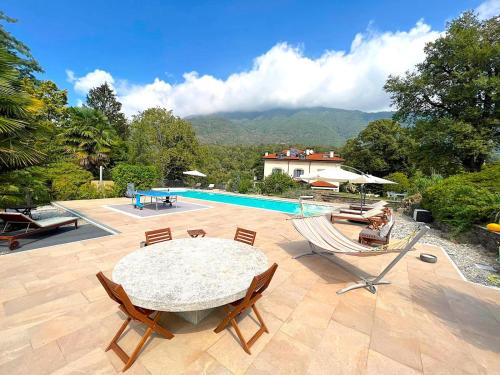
{"x": 384, "y": 231}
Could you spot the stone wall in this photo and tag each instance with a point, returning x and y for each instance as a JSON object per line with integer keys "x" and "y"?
{"x": 489, "y": 240}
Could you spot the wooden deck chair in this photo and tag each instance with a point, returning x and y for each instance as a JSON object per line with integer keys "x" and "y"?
{"x": 245, "y": 236}
{"x": 366, "y": 207}
{"x": 378, "y": 232}
{"x": 254, "y": 293}
{"x": 157, "y": 235}
{"x": 362, "y": 217}
{"x": 118, "y": 294}
{"x": 327, "y": 241}
{"x": 32, "y": 226}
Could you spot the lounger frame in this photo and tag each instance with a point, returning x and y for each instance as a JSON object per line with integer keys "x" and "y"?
{"x": 30, "y": 230}
{"x": 366, "y": 281}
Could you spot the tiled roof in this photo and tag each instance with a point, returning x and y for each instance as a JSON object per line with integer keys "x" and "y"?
{"x": 323, "y": 184}
{"x": 300, "y": 155}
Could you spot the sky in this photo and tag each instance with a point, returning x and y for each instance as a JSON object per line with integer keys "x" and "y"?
{"x": 200, "y": 57}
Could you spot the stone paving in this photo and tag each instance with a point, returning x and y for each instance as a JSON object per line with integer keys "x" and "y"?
{"x": 56, "y": 319}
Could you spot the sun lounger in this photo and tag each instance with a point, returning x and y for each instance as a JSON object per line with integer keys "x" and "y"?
{"x": 210, "y": 186}
{"x": 197, "y": 185}
{"x": 357, "y": 206}
{"x": 327, "y": 241}
{"x": 377, "y": 233}
{"x": 362, "y": 217}
{"x": 32, "y": 226}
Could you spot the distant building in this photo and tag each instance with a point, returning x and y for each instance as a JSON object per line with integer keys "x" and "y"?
{"x": 296, "y": 162}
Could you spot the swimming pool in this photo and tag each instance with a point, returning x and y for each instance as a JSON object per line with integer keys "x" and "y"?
{"x": 262, "y": 203}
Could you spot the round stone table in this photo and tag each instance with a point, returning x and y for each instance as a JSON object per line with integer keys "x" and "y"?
{"x": 189, "y": 276}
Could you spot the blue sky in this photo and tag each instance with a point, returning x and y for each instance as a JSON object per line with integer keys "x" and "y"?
{"x": 132, "y": 43}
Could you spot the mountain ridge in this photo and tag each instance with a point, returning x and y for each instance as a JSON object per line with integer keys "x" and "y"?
{"x": 313, "y": 126}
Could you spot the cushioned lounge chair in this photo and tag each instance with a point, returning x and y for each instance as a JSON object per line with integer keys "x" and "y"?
{"x": 327, "y": 241}
{"x": 378, "y": 233}
{"x": 32, "y": 226}
{"x": 361, "y": 217}
{"x": 356, "y": 208}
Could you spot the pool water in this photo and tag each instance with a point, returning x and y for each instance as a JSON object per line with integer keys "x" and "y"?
{"x": 263, "y": 203}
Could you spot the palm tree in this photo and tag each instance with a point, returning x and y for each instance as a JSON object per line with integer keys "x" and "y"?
{"x": 17, "y": 148}
{"x": 88, "y": 135}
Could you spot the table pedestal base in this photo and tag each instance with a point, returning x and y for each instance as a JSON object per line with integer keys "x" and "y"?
{"x": 194, "y": 317}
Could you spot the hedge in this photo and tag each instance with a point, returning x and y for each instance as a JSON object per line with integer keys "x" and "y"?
{"x": 463, "y": 200}
{"x": 144, "y": 177}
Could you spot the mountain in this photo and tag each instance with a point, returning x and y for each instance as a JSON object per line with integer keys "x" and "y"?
{"x": 311, "y": 126}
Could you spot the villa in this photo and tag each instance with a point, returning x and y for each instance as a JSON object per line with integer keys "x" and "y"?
{"x": 295, "y": 163}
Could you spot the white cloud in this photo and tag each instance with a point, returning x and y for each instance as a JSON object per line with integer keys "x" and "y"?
{"x": 488, "y": 9}
{"x": 285, "y": 77}
{"x": 93, "y": 79}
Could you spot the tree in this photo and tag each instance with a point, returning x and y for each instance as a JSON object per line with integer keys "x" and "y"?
{"x": 102, "y": 98}
{"x": 25, "y": 62}
{"x": 383, "y": 147}
{"x": 53, "y": 100}
{"x": 48, "y": 117}
{"x": 453, "y": 93}
{"x": 158, "y": 137}
{"x": 88, "y": 136}
{"x": 17, "y": 142}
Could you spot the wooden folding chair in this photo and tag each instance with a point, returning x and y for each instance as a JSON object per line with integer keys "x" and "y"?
{"x": 118, "y": 294}
{"x": 254, "y": 293}
{"x": 157, "y": 235}
{"x": 245, "y": 236}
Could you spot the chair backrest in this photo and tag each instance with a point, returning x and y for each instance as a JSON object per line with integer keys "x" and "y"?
{"x": 130, "y": 190}
{"x": 245, "y": 236}
{"x": 16, "y": 217}
{"x": 117, "y": 293}
{"x": 158, "y": 235}
{"x": 260, "y": 283}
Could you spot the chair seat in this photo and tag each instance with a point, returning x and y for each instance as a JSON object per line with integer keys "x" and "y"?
{"x": 372, "y": 234}
{"x": 142, "y": 310}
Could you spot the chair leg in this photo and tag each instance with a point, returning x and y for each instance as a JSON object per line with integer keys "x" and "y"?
{"x": 259, "y": 317}
{"x": 224, "y": 322}
{"x": 159, "y": 329}
{"x": 137, "y": 349}
{"x": 119, "y": 333}
{"x": 245, "y": 344}
{"x": 240, "y": 336}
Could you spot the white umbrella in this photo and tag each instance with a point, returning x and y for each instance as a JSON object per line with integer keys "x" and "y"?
{"x": 195, "y": 173}
{"x": 341, "y": 175}
{"x": 331, "y": 175}
{"x": 369, "y": 179}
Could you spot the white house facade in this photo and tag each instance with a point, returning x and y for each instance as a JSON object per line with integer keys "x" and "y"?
{"x": 296, "y": 162}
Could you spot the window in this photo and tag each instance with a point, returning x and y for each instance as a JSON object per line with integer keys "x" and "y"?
{"x": 277, "y": 170}
{"x": 297, "y": 173}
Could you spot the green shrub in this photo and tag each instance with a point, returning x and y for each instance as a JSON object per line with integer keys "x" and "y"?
{"x": 277, "y": 183}
{"x": 65, "y": 179}
{"x": 402, "y": 182}
{"x": 245, "y": 186}
{"x": 144, "y": 177}
{"x": 420, "y": 183}
{"x": 459, "y": 202}
{"x": 90, "y": 191}
{"x": 16, "y": 185}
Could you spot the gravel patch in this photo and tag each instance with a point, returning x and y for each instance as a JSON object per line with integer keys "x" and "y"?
{"x": 464, "y": 255}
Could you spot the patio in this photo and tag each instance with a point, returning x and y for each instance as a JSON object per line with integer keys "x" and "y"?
{"x": 56, "y": 318}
